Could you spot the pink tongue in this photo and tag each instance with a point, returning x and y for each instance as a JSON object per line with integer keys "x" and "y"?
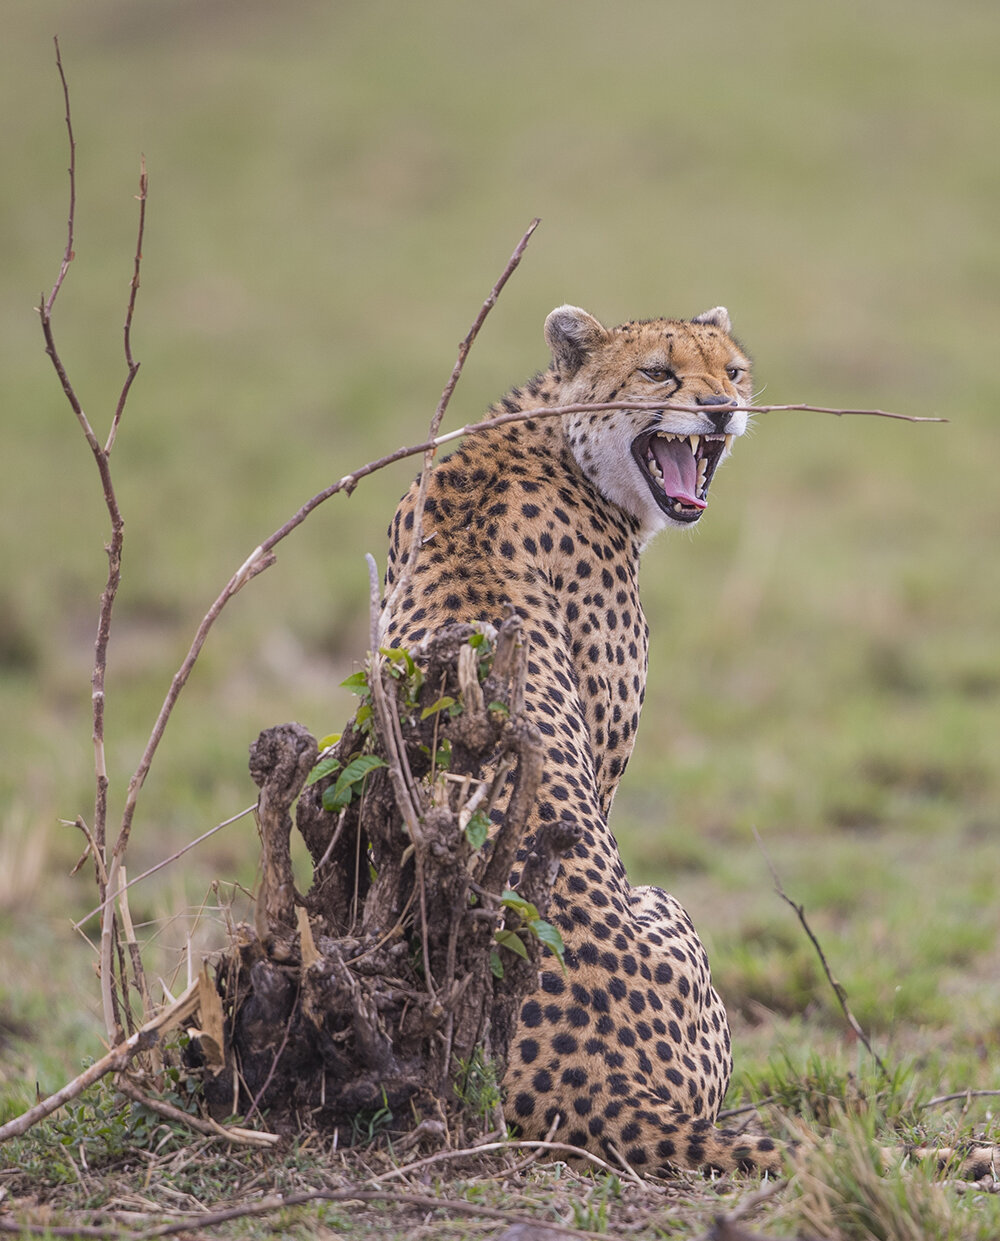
{"x": 680, "y": 474}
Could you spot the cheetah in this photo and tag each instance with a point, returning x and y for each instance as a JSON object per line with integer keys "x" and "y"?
{"x": 630, "y": 1047}
{"x": 627, "y": 1052}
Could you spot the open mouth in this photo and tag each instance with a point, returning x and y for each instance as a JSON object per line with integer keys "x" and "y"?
{"x": 679, "y": 469}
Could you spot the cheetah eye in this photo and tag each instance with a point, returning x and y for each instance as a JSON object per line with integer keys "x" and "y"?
{"x": 657, "y": 374}
{"x": 735, "y": 373}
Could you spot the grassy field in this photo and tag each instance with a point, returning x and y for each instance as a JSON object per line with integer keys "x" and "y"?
{"x": 333, "y": 190}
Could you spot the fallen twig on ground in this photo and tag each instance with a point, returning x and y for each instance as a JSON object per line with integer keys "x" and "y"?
{"x": 113, "y": 1062}
{"x": 960, "y": 1094}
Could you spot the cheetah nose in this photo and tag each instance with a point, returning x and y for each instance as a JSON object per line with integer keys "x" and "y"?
{"x": 719, "y": 418}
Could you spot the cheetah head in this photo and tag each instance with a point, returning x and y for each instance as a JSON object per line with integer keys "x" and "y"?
{"x": 655, "y": 465}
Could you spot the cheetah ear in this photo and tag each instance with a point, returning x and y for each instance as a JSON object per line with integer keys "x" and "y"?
{"x": 572, "y": 334}
{"x": 718, "y": 317}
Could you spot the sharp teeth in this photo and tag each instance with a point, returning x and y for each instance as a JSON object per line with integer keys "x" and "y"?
{"x": 702, "y": 471}
{"x": 695, "y": 441}
{"x": 729, "y": 442}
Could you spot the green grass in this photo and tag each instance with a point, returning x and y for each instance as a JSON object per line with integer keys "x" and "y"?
{"x": 333, "y": 190}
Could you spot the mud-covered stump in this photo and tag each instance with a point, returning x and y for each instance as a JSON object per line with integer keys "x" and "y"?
{"x": 359, "y": 1005}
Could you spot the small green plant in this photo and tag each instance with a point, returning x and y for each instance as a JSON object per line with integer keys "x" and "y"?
{"x": 350, "y": 782}
{"x": 534, "y": 925}
{"x": 477, "y": 1087}
{"x": 409, "y": 676}
{"x": 99, "y": 1129}
{"x": 367, "y": 1125}
{"x": 477, "y": 829}
{"x": 357, "y": 683}
{"x": 591, "y": 1212}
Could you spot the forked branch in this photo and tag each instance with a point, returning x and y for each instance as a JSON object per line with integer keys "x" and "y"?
{"x": 114, "y": 551}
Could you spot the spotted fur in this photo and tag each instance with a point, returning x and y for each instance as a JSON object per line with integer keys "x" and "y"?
{"x": 630, "y": 1048}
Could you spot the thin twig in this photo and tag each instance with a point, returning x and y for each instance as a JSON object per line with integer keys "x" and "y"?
{"x": 424, "y": 1202}
{"x": 400, "y": 775}
{"x": 113, "y": 1062}
{"x": 68, "y": 254}
{"x": 838, "y": 989}
{"x": 416, "y": 541}
{"x": 560, "y": 1148}
{"x": 114, "y": 553}
{"x": 746, "y": 1107}
{"x": 166, "y": 861}
{"x": 210, "y": 1128}
{"x": 279, "y": 1202}
{"x": 263, "y": 557}
{"x": 960, "y": 1094}
{"x": 130, "y": 362}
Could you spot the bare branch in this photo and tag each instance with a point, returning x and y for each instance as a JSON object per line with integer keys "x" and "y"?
{"x": 211, "y": 1128}
{"x": 68, "y": 255}
{"x": 114, "y": 547}
{"x": 113, "y": 1062}
{"x": 165, "y": 861}
{"x": 399, "y": 769}
{"x": 130, "y": 362}
{"x": 960, "y": 1094}
{"x": 262, "y": 557}
{"x": 463, "y": 352}
{"x": 513, "y": 1144}
{"x": 425, "y": 1202}
{"x": 838, "y": 989}
{"x": 840, "y": 413}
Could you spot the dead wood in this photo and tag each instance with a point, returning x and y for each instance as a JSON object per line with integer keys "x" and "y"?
{"x": 362, "y": 1003}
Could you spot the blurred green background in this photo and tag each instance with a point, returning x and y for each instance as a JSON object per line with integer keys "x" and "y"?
{"x": 333, "y": 190}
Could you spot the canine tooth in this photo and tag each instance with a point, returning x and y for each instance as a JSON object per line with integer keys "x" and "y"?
{"x": 729, "y": 442}
{"x": 702, "y": 471}
{"x": 695, "y": 441}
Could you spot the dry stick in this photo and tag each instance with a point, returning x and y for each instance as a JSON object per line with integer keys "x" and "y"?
{"x": 487, "y": 1147}
{"x": 838, "y": 989}
{"x": 280, "y": 1203}
{"x": 442, "y": 405}
{"x": 113, "y": 1062}
{"x": 407, "y": 799}
{"x": 166, "y": 861}
{"x": 424, "y": 1202}
{"x": 961, "y": 1094}
{"x": 130, "y": 362}
{"x": 210, "y": 1128}
{"x": 114, "y": 548}
{"x": 262, "y": 557}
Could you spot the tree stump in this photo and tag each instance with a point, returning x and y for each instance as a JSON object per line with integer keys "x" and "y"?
{"x": 385, "y": 997}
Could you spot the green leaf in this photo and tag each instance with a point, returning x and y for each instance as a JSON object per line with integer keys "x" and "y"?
{"x": 435, "y": 707}
{"x": 325, "y": 767}
{"x": 329, "y": 740}
{"x": 496, "y": 965}
{"x": 512, "y": 941}
{"x": 397, "y": 655}
{"x": 548, "y": 935}
{"x": 511, "y": 900}
{"x": 477, "y": 640}
{"x": 477, "y": 829}
{"x": 342, "y": 793}
{"x": 357, "y": 682}
{"x": 500, "y": 707}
